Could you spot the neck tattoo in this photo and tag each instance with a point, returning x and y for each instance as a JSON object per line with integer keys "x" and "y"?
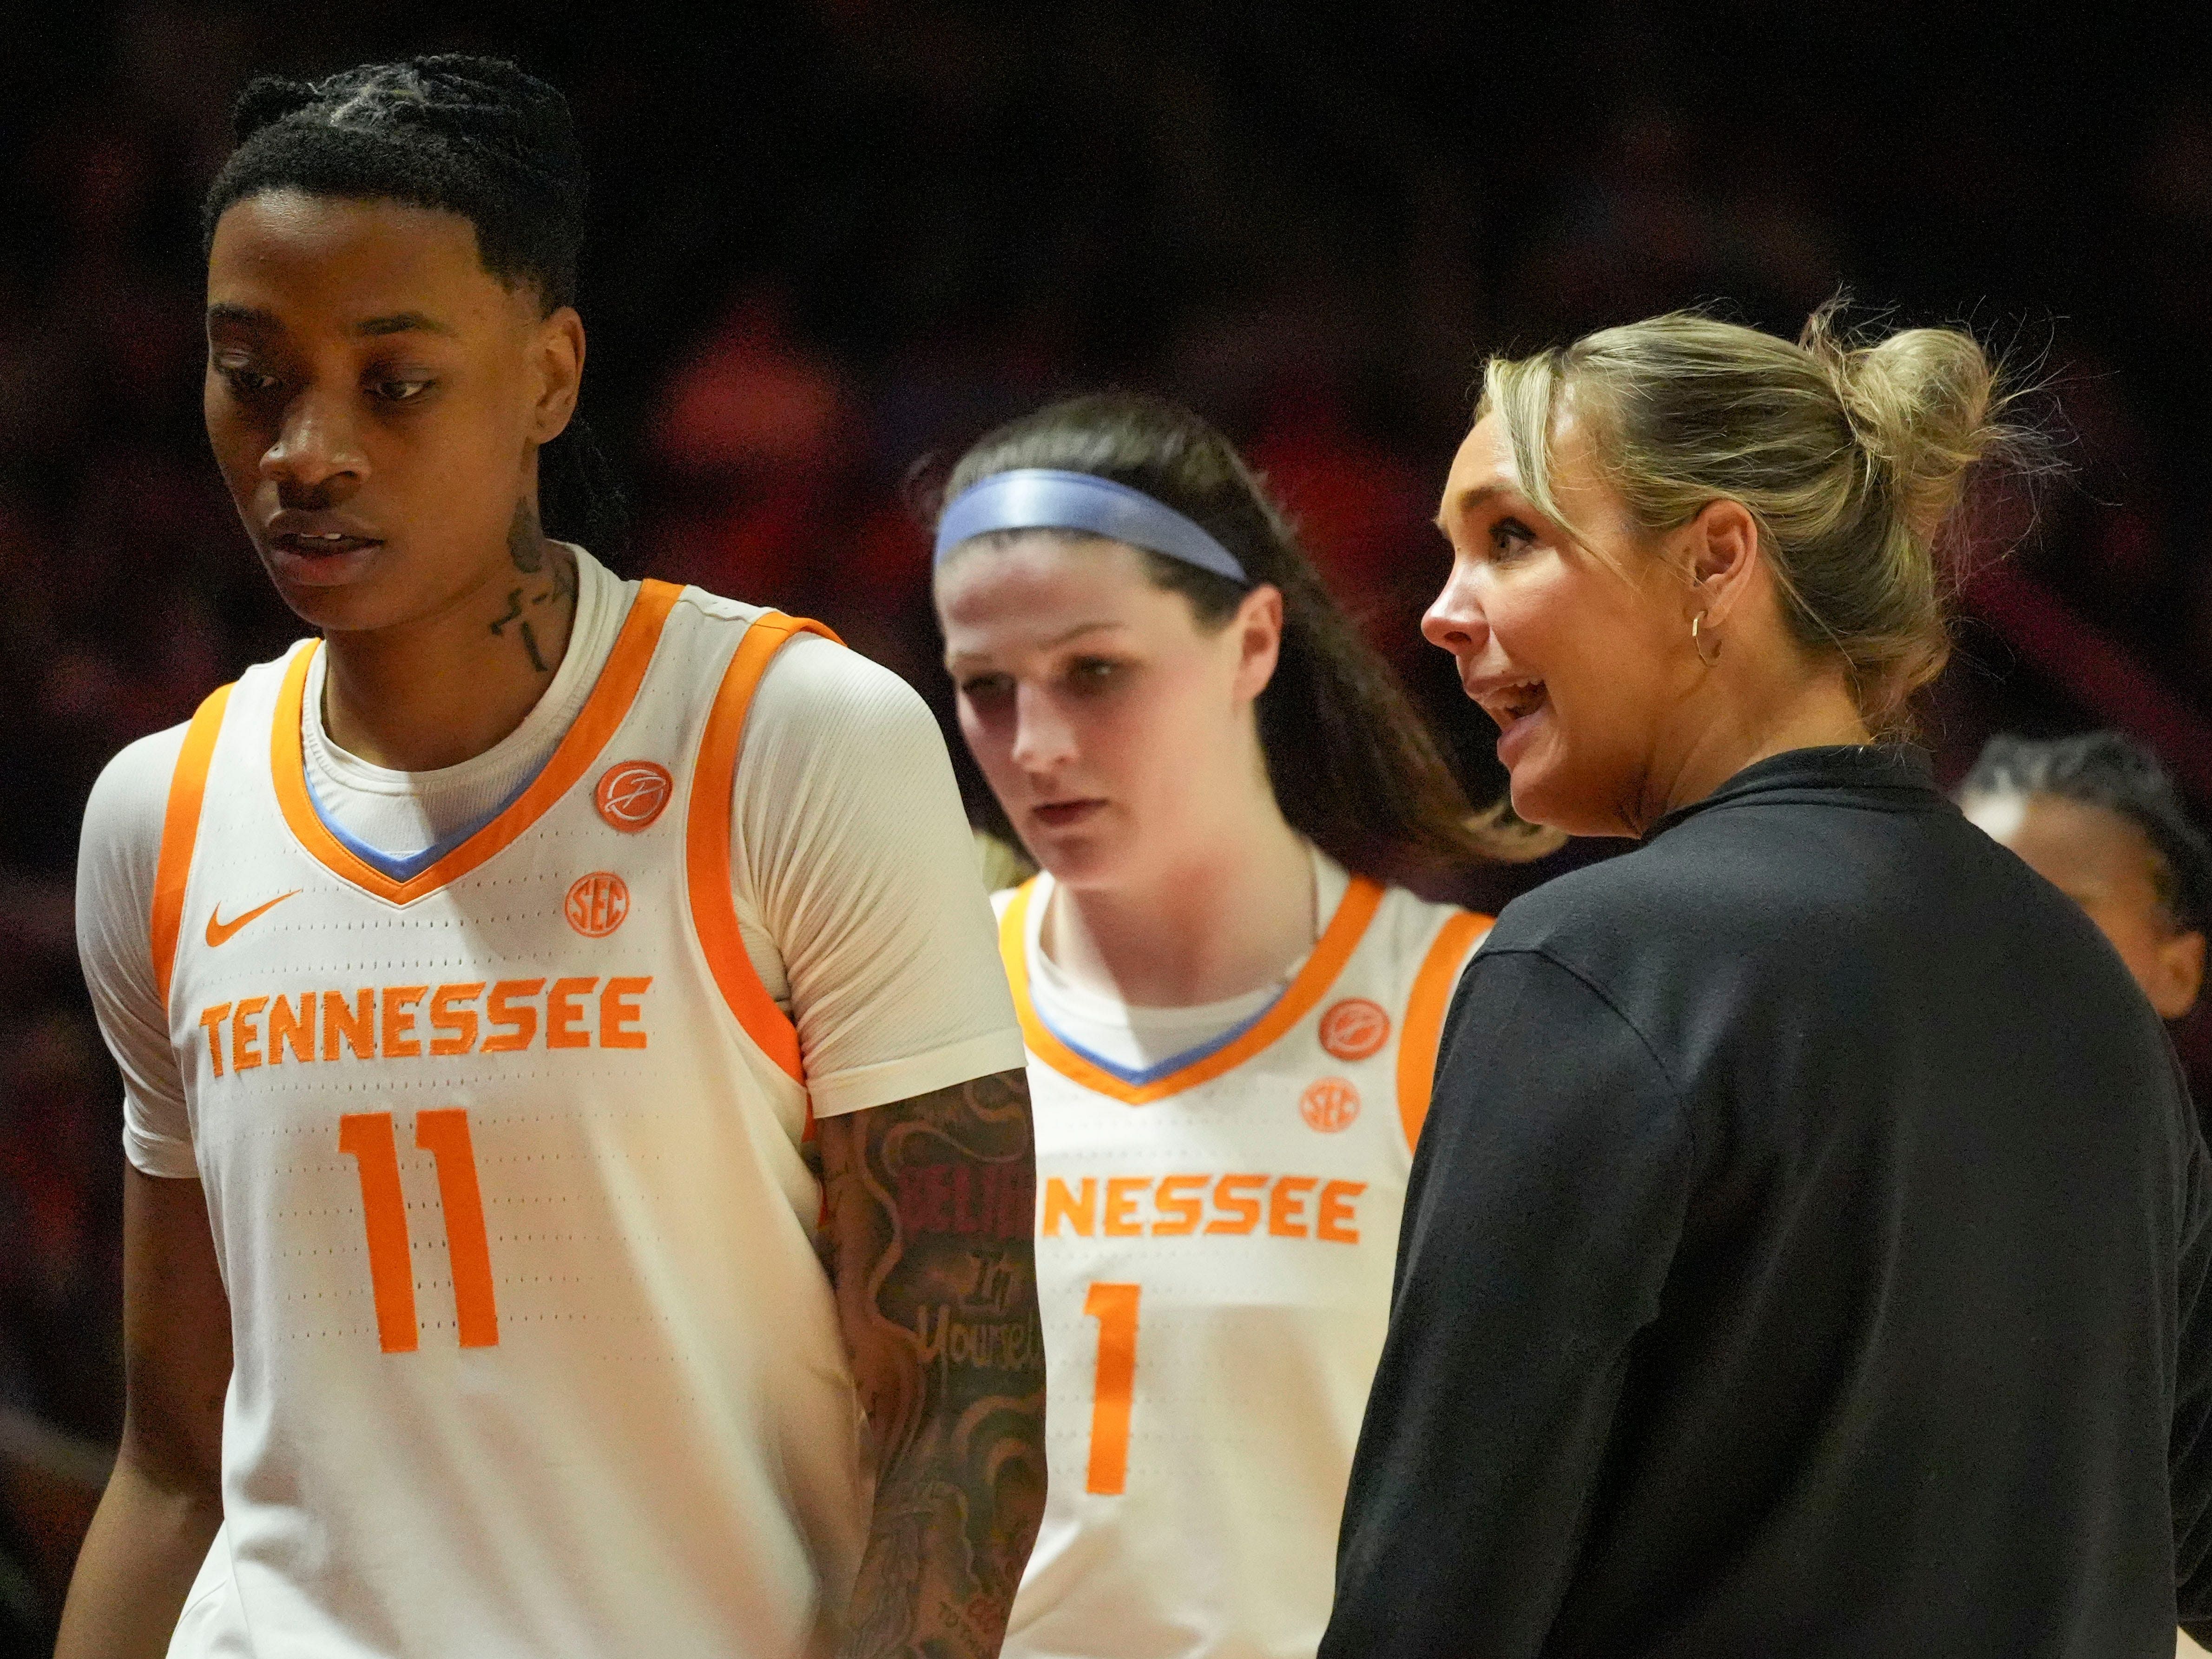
{"x": 551, "y": 570}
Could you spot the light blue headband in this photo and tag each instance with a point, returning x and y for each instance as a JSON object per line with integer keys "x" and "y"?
{"x": 1040, "y": 498}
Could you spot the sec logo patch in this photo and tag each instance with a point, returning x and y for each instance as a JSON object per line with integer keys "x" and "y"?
{"x": 631, "y": 794}
{"x": 1329, "y": 1105}
{"x": 596, "y": 903}
{"x": 1354, "y": 1028}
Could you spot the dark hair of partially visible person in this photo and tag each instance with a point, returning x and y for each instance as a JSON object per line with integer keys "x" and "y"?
{"x": 473, "y": 137}
{"x": 2108, "y": 769}
{"x": 1353, "y": 767}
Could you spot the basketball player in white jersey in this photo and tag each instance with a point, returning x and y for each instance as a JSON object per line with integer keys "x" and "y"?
{"x": 515, "y": 988}
{"x": 1230, "y": 1021}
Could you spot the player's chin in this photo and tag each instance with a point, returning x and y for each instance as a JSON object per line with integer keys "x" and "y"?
{"x": 1088, "y": 857}
{"x": 350, "y": 596}
{"x": 334, "y": 612}
{"x": 343, "y": 609}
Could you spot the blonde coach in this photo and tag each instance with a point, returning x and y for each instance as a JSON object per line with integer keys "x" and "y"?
{"x": 1805, "y": 1253}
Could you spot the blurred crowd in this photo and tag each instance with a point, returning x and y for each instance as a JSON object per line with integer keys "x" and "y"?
{"x": 838, "y": 240}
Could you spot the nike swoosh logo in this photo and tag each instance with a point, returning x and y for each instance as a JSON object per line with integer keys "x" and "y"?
{"x": 219, "y": 930}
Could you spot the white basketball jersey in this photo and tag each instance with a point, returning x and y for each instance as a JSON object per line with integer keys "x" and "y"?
{"x": 534, "y": 1353}
{"x": 1214, "y": 1258}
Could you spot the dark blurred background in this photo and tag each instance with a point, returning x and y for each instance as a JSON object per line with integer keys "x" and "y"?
{"x": 836, "y": 239}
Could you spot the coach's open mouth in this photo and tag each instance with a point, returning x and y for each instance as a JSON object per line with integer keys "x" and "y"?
{"x": 1514, "y": 700}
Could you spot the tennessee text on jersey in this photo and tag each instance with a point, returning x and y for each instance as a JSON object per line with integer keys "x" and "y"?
{"x": 504, "y": 1162}
{"x": 1215, "y": 1255}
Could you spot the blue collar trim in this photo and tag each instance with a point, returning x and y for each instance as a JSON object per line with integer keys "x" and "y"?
{"x": 406, "y": 866}
{"x": 1138, "y": 1077}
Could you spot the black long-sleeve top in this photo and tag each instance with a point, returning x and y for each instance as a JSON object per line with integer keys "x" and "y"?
{"x": 1806, "y": 1256}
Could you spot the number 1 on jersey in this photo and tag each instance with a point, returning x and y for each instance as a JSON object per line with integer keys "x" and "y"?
{"x": 442, "y": 1132}
{"x": 1115, "y": 1308}
{"x": 366, "y": 1137}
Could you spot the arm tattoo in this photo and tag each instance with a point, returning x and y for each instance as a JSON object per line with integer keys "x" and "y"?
{"x": 930, "y": 1222}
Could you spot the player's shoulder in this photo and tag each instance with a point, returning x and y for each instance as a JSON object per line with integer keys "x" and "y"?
{"x": 119, "y": 841}
{"x": 129, "y": 803}
{"x": 821, "y": 705}
{"x": 708, "y": 607}
{"x": 810, "y": 671}
{"x": 1408, "y": 928}
{"x": 823, "y": 691}
{"x": 130, "y": 797}
{"x": 1002, "y": 899}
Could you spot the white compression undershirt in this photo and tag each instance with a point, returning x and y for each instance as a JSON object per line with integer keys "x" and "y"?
{"x": 403, "y": 812}
{"x": 854, "y": 872}
{"x": 1135, "y": 1037}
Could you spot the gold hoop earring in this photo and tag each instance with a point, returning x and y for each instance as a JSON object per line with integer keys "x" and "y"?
{"x": 1697, "y": 645}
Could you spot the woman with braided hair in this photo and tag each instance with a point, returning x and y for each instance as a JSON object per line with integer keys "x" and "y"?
{"x": 2096, "y": 815}
{"x": 574, "y": 1110}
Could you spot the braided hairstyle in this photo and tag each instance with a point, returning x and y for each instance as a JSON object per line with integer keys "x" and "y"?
{"x": 475, "y": 136}
{"x": 2108, "y": 769}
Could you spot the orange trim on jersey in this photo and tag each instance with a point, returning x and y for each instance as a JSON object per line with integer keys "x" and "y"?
{"x": 1333, "y": 949}
{"x": 595, "y": 724}
{"x": 707, "y": 843}
{"x": 180, "y": 829}
{"x": 1423, "y": 1025}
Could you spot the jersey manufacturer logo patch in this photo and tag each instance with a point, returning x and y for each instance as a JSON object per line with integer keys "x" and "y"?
{"x": 1329, "y": 1105}
{"x": 596, "y": 903}
{"x": 631, "y": 794}
{"x": 220, "y": 931}
{"x": 1354, "y": 1028}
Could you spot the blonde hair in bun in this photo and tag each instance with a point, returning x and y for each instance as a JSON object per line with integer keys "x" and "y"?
{"x": 1851, "y": 452}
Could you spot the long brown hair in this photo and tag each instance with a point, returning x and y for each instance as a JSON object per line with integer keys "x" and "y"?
{"x": 1353, "y": 767}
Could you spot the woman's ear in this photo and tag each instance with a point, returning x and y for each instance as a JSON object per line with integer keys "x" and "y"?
{"x": 2180, "y": 975}
{"x": 1258, "y": 629}
{"x": 558, "y": 350}
{"x": 1722, "y": 559}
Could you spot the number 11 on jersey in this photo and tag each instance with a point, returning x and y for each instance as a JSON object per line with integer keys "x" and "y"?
{"x": 1115, "y": 1308}
{"x": 442, "y": 1132}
